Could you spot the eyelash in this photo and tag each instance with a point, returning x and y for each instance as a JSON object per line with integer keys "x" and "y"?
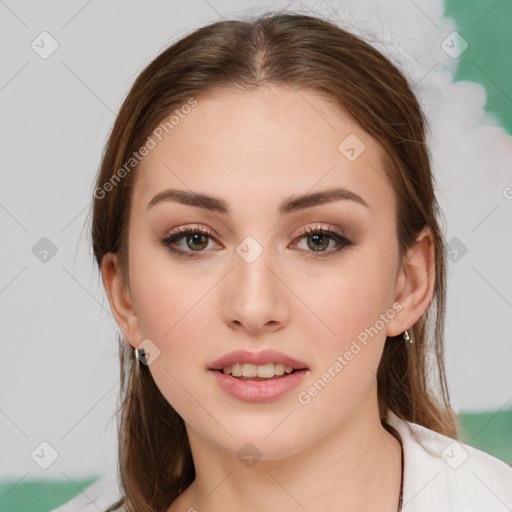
{"x": 169, "y": 241}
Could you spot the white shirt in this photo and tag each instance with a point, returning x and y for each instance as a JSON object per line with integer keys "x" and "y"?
{"x": 440, "y": 475}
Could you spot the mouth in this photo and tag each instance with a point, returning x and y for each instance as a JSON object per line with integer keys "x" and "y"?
{"x": 258, "y": 373}
{"x": 260, "y": 366}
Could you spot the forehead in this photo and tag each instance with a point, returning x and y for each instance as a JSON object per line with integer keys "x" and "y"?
{"x": 270, "y": 142}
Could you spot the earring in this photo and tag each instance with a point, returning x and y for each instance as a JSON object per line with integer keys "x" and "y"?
{"x": 406, "y": 336}
{"x": 140, "y": 355}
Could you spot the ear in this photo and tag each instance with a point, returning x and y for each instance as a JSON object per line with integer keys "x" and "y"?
{"x": 119, "y": 297}
{"x": 415, "y": 283}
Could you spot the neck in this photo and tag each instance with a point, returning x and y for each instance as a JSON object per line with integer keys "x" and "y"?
{"x": 357, "y": 466}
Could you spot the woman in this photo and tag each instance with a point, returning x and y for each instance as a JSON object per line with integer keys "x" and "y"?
{"x": 267, "y": 232}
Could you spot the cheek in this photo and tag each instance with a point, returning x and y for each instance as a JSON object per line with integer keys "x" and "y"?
{"x": 355, "y": 333}
{"x": 354, "y": 303}
{"x": 174, "y": 312}
{"x": 165, "y": 293}
{"x": 350, "y": 297}
{"x": 177, "y": 305}
{"x": 348, "y": 352}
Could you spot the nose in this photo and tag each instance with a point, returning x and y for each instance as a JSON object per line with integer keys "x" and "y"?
{"x": 256, "y": 299}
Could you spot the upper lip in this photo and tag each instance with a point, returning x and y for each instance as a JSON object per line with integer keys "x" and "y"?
{"x": 259, "y": 358}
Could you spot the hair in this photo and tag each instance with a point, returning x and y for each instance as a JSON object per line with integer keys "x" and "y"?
{"x": 289, "y": 50}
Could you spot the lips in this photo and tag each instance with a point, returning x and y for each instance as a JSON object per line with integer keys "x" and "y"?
{"x": 258, "y": 358}
{"x": 252, "y": 391}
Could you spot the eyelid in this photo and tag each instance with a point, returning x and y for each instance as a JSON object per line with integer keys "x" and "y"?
{"x": 191, "y": 227}
{"x": 304, "y": 230}
{"x": 319, "y": 226}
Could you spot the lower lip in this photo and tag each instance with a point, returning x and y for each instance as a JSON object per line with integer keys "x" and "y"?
{"x": 259, "y": 391}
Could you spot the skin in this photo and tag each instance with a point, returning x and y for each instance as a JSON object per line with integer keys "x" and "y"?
{"x": 253, "y": 149}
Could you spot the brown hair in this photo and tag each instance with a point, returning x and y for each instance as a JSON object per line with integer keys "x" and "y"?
{"x": 303, "y": 52}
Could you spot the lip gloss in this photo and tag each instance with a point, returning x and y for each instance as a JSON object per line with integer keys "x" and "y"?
{"x": 258, "y": 391}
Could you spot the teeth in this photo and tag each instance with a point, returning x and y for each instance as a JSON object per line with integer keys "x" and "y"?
{"x": 252, "y": 370}
{"x": 265, "y": 370}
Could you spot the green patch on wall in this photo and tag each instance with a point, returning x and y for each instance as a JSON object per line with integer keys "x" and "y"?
{"x": 486, "y": 26}
{"x": 39, "y": 495}
{"x": 490, "y": 432}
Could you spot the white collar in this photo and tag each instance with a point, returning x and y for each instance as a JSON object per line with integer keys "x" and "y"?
{"x": 441, "y": 474}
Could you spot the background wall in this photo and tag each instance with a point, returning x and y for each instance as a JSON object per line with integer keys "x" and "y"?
{"x": 65, "y": 68}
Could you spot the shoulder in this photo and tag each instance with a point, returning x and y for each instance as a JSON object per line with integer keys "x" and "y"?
{"x": 443, "y": 474}
{"x": 98, "y": 496}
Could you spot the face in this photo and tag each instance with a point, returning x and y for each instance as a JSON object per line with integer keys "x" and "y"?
{"x": 309, "y": 279}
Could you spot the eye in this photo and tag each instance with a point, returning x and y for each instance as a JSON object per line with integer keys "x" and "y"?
{"x": 319, "y": 238}
{"x": 196, "y": 239}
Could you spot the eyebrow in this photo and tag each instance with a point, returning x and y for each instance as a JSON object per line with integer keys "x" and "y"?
{"x": 288, "y": 205}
